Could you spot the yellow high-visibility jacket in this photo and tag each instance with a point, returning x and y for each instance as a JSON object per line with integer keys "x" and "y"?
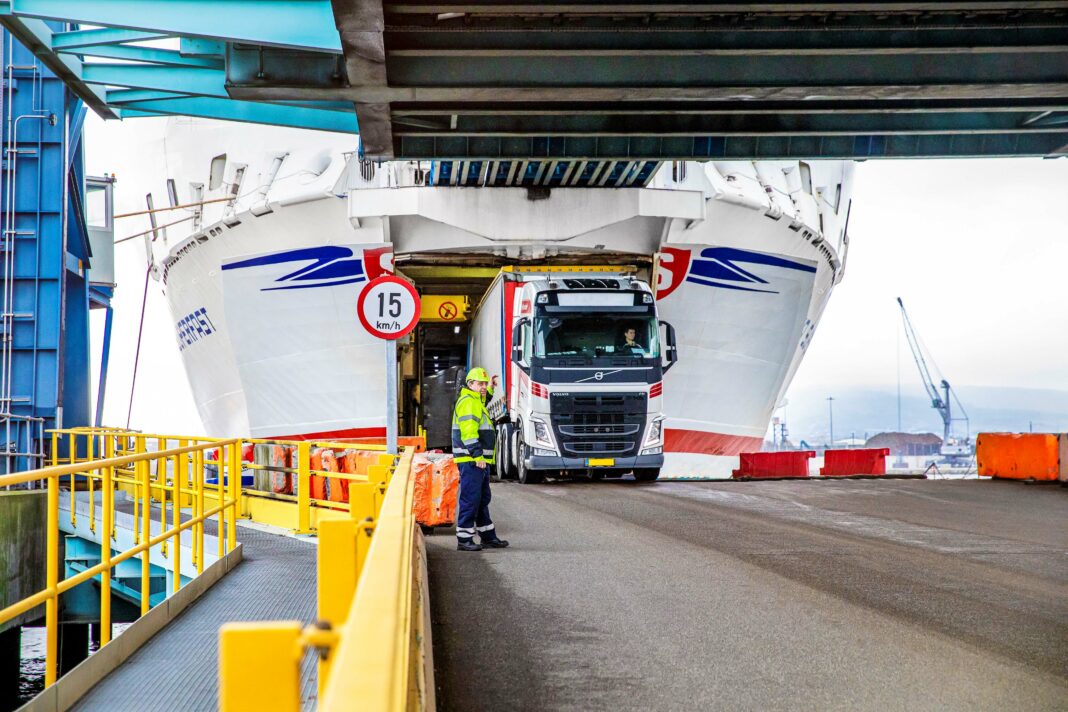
{"x": 474, "y": 438}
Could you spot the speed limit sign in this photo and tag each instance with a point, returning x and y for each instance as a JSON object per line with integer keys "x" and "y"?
{"x": 388, "y": 307}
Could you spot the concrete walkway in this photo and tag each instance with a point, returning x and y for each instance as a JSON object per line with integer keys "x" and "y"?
{"x": 860, "y": 595}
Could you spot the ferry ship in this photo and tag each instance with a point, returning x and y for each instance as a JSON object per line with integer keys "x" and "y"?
{"x": 744, "y": 256}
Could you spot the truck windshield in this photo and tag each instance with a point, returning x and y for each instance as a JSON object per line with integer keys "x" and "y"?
{"x": 603, "y": 335}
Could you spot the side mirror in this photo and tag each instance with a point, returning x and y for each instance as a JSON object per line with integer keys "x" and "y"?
{"x": 517, "y": 342}
{"x": 670, "y": 349}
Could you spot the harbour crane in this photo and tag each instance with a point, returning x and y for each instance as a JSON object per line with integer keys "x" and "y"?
{"x": 952, "y": 448}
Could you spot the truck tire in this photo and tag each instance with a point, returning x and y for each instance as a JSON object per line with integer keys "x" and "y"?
{"x": 646, "y": 474}
{"x": 505, "y": 457}
{"x": 526, "y": 476}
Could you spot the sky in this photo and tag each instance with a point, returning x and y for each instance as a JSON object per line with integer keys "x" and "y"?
{"x": 977, "y": 249}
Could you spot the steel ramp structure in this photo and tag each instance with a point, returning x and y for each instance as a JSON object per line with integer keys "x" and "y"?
{"x": 177, "y": 669}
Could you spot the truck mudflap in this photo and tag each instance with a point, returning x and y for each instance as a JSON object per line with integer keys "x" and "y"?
{"x": 549, "y": 462}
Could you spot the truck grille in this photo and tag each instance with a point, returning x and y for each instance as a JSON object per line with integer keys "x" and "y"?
{"x": 589, "y": 425}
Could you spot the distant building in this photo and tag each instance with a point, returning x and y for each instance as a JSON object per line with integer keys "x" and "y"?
{"x": 906, "y": 444}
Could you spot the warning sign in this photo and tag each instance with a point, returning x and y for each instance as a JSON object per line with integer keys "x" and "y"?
{"x": 447, "y": 311}
{"x": 444, "y": 308}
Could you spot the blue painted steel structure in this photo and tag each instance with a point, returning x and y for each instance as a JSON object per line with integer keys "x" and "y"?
{"x": 631, "y": 80}
{"x": 45, "y": 256}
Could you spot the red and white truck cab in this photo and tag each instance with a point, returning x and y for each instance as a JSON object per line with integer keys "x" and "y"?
{"x": 582, "y": 357}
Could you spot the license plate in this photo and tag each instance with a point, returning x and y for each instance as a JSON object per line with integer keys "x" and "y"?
{"x": 601, "y": 462}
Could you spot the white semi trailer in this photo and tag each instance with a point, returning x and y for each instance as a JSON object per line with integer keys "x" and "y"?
{"x": 581, "y": 357}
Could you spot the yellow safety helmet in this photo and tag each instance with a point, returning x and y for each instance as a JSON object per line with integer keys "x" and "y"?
{"x": 478, "y": 374}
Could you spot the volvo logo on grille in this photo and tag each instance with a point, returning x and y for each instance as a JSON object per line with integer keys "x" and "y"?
{"x": 599, "y": 375}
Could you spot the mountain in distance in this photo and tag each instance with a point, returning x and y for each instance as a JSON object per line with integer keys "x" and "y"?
{"x": 864, "y": 411}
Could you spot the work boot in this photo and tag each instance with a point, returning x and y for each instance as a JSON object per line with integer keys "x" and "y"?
{"x": 494, "y": 543}
{"x": 467, "y": 545}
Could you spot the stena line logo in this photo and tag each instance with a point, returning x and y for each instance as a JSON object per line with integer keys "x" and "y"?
{"x": 720, "y": 267}
{"x": 323, "y": 266}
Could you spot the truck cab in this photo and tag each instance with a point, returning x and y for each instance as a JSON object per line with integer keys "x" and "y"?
{"x": 587, "y": 355}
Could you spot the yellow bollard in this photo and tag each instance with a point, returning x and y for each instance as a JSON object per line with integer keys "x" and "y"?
{"x": 52, "y": 581}
{"x": 108, "y": 504}
{"x": 304, "y": 488}
{"x": 337, "y": 578}
{"x": 259, "y": 667}
{"x": 146, "y": 533}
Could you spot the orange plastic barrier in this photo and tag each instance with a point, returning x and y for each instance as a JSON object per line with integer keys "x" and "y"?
{"x": 859, "y": 461}
{"x": 773, "y": 465}
{"x": 279, "y": 456}
{"x": 436, "y": 486}
{"x": 1018, "y": 456}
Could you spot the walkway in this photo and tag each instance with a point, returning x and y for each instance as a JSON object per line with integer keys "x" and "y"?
{"x": 178, "y": 668}
{"x": 856, "y": 595}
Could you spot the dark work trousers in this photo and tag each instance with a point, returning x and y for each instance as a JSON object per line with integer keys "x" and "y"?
{"x": 472, "y": 512}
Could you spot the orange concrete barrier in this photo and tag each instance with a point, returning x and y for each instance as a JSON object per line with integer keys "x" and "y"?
{"x": 1018, "y": 456}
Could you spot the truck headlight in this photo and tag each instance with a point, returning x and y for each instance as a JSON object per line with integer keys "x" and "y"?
{"x": 655, "y": 434}
{"x": 542, "y": 434}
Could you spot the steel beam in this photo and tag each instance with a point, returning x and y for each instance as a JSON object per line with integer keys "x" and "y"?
{"x": 783, "y": 122}
{"x": 149, "y": 55}
{"x": 187, "y": 80}
{"x": 36, "y": 36}
{"x": 247, "y": 111}
{"x": 629, "y": 148}
{"x": 361, "y": 24}
{"x": 292, "y": 23}
{"x": 104, "y": 36}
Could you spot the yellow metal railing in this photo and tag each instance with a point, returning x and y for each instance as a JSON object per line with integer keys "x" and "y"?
{"x": 81, "y": 444}
{"x": 371, "y": 604}
{"x": 127, "y": 464}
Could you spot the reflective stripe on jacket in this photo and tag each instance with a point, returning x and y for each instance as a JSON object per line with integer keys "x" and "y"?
{"x": 473, "y": 435}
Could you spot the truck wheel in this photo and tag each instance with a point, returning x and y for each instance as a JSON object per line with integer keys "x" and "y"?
{"x": 526, "y": 476}
{"x": 505, "y": 454}
{"x": 646, "y": 474}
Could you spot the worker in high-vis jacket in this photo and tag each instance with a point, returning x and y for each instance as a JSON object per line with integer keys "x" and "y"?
{"x": 473, "y": 445}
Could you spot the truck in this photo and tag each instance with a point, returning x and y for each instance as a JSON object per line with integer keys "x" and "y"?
{"x": 582, "y": 356}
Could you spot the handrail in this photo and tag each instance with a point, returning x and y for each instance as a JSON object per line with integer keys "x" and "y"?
{"x": 370, "y": 601}
{"x": 374, "y": 644}
{"x": 189, "y": 464}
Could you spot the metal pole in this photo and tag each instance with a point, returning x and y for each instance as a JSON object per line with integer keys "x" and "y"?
{"x": 830, "y": 413}
{"x": 391, "y": 396}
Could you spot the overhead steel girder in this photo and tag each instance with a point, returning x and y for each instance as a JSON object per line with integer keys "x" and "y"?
{"x": 754, "y": 33}
{"x": 537, "y": 69}
{"x": 740, "y": 122}
{"x": 735, "y": 147}
{"x": 36, "y": 36}
{"x": 186, "y": 80}
{"x": 248, "y": 111}
{"x": 107, "y": 35}
{"x": 645, "y": 8}
{"x": 307, "y": 24}
{"x": 149, "y": 55}
{"x": 361, "y": 24}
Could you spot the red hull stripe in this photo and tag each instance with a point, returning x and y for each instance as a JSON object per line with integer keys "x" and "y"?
{"x": 338, "y": 434}
{"x": 703, "y": 443}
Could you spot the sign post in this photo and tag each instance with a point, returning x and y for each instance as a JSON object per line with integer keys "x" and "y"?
{"x": 388, "y": 308}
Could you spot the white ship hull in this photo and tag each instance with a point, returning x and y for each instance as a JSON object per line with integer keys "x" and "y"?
{"x": 264, "y": 298}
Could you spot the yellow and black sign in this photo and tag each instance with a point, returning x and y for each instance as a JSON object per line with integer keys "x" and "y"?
{"x": 442, "y": 308}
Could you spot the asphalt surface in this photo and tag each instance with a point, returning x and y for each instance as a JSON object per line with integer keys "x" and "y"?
{"x": 858, "y": 595}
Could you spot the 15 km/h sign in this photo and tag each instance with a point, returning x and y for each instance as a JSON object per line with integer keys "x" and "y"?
{"x": 388, "y": 307}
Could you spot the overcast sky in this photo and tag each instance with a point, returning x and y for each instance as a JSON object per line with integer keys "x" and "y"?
{"x": 978, "y": 249}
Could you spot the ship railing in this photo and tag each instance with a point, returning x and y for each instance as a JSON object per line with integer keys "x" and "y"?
{"x": 120, "y": 467}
